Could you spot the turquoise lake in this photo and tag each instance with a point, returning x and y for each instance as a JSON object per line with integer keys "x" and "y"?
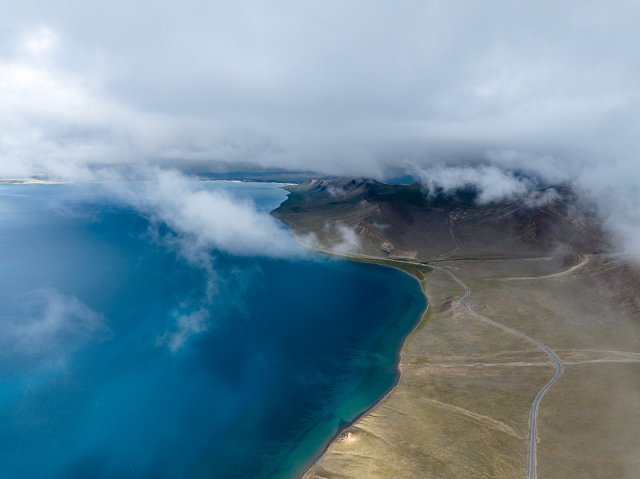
{"x": 90, "y": 291}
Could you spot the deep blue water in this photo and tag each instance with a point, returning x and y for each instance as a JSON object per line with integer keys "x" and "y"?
{"x": 89, "y": 386}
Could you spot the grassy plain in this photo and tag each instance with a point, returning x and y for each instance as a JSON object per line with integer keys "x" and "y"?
{"x": 461, "y": 406}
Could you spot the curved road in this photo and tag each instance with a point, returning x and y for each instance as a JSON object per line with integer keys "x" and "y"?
{"x": 583, "y": 262}
{"x": 555, "y": 359}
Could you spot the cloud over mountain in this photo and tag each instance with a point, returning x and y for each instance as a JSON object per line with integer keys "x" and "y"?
{"x": 344, "y": 88}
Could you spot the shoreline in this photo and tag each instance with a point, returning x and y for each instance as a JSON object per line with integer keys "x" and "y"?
{"x": 380, "y": 262}
{"x": 30, "y": 181}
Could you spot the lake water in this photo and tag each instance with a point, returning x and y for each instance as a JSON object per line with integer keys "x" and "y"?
{"x": 91, "y": 385}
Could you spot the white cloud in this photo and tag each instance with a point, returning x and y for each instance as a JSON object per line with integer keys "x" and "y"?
{"x": 186, "y": 326}
{"x": 335, "y": 192}
{"x": 203, "y": 223}
{"x": 52, "y": 326}
{"x": 347, "y": 240}
{"x": 342, "y": 88}
{"x": 269, "y": 84}
{"x": 207, "y": 219}
{"x": 615, "y": 192}
{"x": 492, "y": 183}
{"x": 39, "y": 42}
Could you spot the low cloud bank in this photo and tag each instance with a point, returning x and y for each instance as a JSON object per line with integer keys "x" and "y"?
{"x": 610, "y": 189}
{"x": 185, "y": 215}
{"x": 543, "y": 87}
{"x": 204, "y": 219}
{"x": 492, "y": 183}
{"x": 614, "y": 189}
{"x": 201, "y": 223}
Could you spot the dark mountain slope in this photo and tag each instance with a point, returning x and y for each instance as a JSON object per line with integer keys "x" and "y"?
{"x": 404, "y": 220}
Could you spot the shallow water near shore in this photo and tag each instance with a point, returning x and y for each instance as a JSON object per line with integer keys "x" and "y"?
{"x": 92, "y": 383}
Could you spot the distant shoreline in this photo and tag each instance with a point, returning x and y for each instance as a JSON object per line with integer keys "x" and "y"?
{"x": 29, "y": 181}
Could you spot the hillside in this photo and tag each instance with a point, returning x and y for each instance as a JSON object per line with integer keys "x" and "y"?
{"x": 406, "y": 221}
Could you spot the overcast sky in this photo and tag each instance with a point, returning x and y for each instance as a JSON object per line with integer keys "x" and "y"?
{"x": 340, "y": 86}
{"x": 344, "y": 87}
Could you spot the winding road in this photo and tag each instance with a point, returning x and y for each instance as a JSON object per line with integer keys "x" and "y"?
{"x": 555, "y": 359}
